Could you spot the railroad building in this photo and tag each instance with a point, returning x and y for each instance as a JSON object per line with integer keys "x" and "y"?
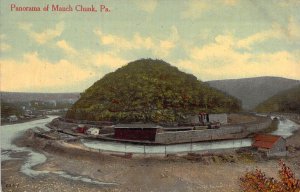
{"x": 140, "y": 132}
{"x": 272, "y": 145}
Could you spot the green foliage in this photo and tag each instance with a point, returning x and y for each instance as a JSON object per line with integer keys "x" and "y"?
{"x": 8, "y": 109}
{"x": 286, "y": 101}
{"x": 150, "y": 91}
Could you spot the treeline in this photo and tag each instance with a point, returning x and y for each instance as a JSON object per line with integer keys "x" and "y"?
{"x": 286, "y": 101}
{"x": 8, "y": 109}
{"x": 150, "y": 91}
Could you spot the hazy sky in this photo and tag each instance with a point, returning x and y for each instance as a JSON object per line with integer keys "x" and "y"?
{"x": 215, "y": 39}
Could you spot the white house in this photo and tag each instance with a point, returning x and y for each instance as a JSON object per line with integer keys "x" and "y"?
{"x": 93, "y": 131}
{"x": 13, "y": 118}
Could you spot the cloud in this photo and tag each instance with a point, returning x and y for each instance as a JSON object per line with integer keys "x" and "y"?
{"x": 66, "y": 47}
{"x": 44, "y": 36}
{"x": 194, "y": 9}
{"x": 290, "y": 32}
{"x": 4, "y": 46}
{"x": 221, "y": 52}
{"x": 289, "y": 3}
{"x": 230, "y": 2}
{"x": 120, "y": 42}
{"x": 147, "y": 5}
{"x": 221, "y": 59}
{"x": 159, "y": 47}
{"x": 293, "y": 29}
{"x": 35, "y": 74}
{"x": 108, "y": 60}
{"x": 273, "y": 33}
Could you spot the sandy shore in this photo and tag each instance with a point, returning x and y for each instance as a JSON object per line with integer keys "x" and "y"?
{"x": 192, "y": 173}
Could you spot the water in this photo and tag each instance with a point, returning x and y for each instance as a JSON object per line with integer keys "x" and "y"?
{"x": 10, "y": 132}
{"x": 286, "y": 128}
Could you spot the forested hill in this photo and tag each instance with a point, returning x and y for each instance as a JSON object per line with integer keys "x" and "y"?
{"x": 285, "y": 101}
{"x": 252, "y": 91}
{"x": 150, "y": 91}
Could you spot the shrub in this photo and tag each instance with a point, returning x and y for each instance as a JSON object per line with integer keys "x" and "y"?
{"x": 257, "y": 181}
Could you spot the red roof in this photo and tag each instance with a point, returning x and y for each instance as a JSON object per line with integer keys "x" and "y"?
{"x": 265, "y": 141}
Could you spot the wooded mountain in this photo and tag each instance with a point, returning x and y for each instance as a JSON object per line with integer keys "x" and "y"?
{"x": 252, "y": 91}
{"x": 285, "y": 101}
{"x": 150, "y": 91}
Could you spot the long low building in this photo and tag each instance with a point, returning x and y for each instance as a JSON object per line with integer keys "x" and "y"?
{"x": 139, "y": 132}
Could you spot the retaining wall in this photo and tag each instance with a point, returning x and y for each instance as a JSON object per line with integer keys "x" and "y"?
{"x": 184, "y": 148}
{"x": 225, "y": 132}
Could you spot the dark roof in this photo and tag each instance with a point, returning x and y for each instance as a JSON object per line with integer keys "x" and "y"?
{"x": 265, "y": 141}
{"x": 137, "y": 125}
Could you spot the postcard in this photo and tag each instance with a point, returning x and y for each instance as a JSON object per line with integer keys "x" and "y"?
{"x": 150, "y": 95}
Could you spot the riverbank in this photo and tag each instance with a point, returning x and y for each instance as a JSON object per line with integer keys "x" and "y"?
{"x": 218, "y": 172}
{"x": 14, "y": 181}
{"x": 23, "y": 120}
{"x": 205, "y": 173}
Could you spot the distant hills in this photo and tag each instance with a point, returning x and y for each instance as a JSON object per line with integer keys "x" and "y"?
{"x": 252, "y": 91}
{"x": 149, "y": 91}
{"x": 11, "y": 97}
{"x": 284, "y": 101}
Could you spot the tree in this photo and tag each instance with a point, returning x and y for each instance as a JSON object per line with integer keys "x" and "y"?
{"x": 257, "y": 181}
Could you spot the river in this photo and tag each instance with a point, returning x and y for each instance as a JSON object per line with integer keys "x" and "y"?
{"x": 10, "y": 132}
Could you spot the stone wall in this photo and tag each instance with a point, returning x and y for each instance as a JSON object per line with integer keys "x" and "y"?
{"x": 225, "y": 132}
{"x": 222, "y": 118}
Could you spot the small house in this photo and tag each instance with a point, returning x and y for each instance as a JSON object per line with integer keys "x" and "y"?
{"x": 81, "y": 129}
{"x": 13, "y": 118}
{"x": 272, "y": 145}
{"x": 92, "y": 131}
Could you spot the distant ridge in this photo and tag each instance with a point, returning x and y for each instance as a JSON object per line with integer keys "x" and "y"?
{"x": 252, "y": 91}
{"x": 25, "y": 96}
{"x": 284, "y": 101}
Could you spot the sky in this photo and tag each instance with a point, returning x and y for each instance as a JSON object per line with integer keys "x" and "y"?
{"x": 55, "y": 51}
